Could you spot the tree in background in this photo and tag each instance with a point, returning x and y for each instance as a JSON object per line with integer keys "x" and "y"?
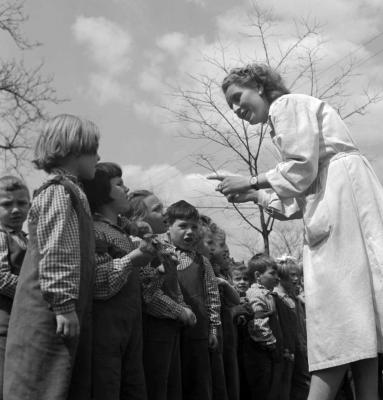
{"x": 204, "y": 114}
{"x": 24, "y": 92}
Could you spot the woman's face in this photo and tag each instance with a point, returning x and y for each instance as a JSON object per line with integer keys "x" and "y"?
{"x": 248, "y": 103}
{"x": 155, "y": 214}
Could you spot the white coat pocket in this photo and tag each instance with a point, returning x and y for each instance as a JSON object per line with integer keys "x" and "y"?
{"x": 316, "y": 219}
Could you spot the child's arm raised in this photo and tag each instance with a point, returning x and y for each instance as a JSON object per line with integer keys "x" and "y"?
{"x": 113, "y": 265}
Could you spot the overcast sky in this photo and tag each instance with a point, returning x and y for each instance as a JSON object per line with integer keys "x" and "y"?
{"x": 115, "y": 59}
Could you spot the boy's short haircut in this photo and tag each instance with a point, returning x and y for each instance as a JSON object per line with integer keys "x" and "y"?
{"x": 9, "y": 183}
{"x": 138, "y": 210}
{"x": 97, "y": 190}
{"x": 259, "y": 263}
{"x": 62, "y": 136}
{"x": 181, "y": 210}
{"x": 286, "y": 264}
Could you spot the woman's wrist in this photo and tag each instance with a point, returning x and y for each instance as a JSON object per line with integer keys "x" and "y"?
{"x": 263, "y": 182}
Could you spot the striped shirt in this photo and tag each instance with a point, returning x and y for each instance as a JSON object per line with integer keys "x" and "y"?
{"x": 8, "y": 280}
{"x": 58, "y": 241}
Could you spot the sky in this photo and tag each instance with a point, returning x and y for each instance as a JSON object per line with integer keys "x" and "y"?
{"x": 117, "y": 62}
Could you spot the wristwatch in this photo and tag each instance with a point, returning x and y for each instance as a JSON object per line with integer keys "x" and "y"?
{"x": 254, "y": 182}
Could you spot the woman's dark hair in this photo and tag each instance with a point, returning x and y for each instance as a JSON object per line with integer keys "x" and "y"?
{"x": 97, "y": 190}
{"x": 259, "y": 263}
{"x": 256, "y": 76}
{"x": 181, "y": 210}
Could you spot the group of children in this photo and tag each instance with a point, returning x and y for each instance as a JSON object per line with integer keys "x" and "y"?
{"x": 114, "y": 299}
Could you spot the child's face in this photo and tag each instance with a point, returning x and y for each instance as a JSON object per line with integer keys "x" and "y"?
{"x": 241, "y": 283}
{"x": 86, "y": 165}
{"x": 268, "y": 279}
{"x": 208, "y": 241}
{"x": 293, "y": 281}
{"x": 14, "y": 206}
{"x": 184, "y": 233}
{"x": 221, "y": 254}
{"x": 155, "y": 216}
{"x": 118, "y": 193}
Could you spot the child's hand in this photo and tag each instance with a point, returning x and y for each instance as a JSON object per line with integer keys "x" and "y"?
{"x": 213, "y": 341}
{"x": 188, "y": 317}
{"x": 221, "y": 281}
{"x": 68, "y": 325}
{"x": 143, "y": 228}
{"x": 140, "y": 258}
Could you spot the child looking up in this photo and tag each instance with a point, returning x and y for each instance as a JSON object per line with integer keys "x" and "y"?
{"x": 262, "y": 346}
{"x": 14, "y": 205}
{"x": 48, "y": 349}
{"x": 200, "y": 292}
{"x": 117, "y": 324}
{"x": 164, "y": 309}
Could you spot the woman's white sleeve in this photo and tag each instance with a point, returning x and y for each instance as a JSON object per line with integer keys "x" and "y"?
{"x": 282, "y": 209}
{"x": 296, "y": 129}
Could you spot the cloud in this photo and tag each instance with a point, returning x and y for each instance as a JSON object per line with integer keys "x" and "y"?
{"x": 109, "y": 48}
{"x": 108, "y": 44}
{"x": 200, "y": 3}
{"x": 172, "y": 42}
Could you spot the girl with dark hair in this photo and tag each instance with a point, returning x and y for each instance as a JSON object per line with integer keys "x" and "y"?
{"x": 117, "y": 326}
{"x": 324, "y": 179}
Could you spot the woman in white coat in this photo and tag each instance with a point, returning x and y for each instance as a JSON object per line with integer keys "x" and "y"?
{"x": 324, "y": 179}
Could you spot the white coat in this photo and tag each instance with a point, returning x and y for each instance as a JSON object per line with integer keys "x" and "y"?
{"x": 324, "y": 177}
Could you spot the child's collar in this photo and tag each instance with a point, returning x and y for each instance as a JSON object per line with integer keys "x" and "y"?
{"x": 65, "y": 173}
{"x": 102, "y": 218}
{"x": 11, "y": 230}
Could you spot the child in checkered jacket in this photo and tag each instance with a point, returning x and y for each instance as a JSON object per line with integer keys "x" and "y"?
{"x": 117, "y": 319}
{"x": 48, "y": 347}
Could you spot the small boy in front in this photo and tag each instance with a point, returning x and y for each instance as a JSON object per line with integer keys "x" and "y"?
{"x": 200, "y": 291}
{"x": 262, "y": 348}
{"x": 14, "y": 206}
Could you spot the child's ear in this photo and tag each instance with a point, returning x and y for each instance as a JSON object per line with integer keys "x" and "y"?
{"x": 256, "y": 276}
